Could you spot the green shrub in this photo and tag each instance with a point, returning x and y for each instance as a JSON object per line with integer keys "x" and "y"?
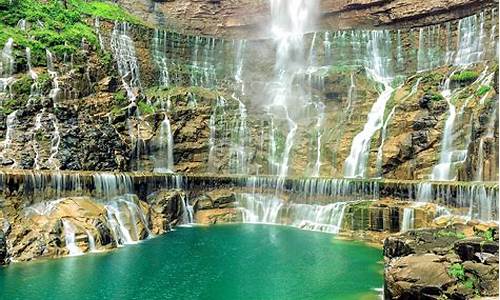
{"x": 465, "y": 76}
{"x": 457, "y": 271}
{"x": 483, "y": 90}
{"x": 121, "y": 98}
{"x": 145, "y": 108}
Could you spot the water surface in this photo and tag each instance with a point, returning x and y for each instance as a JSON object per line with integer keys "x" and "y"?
{"x": 218, "y": 262}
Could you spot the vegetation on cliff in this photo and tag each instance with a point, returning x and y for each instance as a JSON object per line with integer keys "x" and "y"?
{"x": 51, "y": 25}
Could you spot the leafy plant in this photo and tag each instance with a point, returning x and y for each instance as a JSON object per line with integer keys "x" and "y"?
{"x": 145, "y": 108}
{"x": 483, "y": 90}
{"x": 457, "y": 271}
{"x": 465, "y": 76}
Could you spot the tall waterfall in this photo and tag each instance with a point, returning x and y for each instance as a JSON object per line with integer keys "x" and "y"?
{"x": 124, "y": 54}
{"x": 160, "y": 58}
{"x": 290, "y": 21}
{"x": 6, "y": 67}
{"x": 165, "y": 161}
{"x": 444, "y": 169}
{"x": 378, "y": 68}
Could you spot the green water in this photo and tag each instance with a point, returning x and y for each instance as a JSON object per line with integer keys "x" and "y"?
{"x": 218, "y": 262}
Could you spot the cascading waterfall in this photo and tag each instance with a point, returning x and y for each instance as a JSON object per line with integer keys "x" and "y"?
{"x": 70, "y": 238}
{"x": 123, "y": 216}
{"x": 165, "y": 163}
{"x": 471, "y": 35}
{"x": 91, "y": 242}
{"x": 428, "y": 56}
{"x": 408, "y": 219}
{"x": 212, "y": 141}
{"x": 380, "y": 151}
{"x": 490, "y": 134}
{"x": 160, "y": 58}
{"x": 321, "y": 115}
{"x": 258, "y": 208}
{"x": 377, "y": 67}
{"x": 6, "y": 68}
{"x": 55, "y": 91}
{"x": 444, "y": 169}
{"x": 97, "y": 27}
{"x": 123, "y": 49}
{"x": 290, "y": 21}
{"x": 35, "y": 86}
{"x": 239, "y": 139}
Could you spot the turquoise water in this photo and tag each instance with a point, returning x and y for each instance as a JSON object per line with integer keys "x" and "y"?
{"x": 217, "y": 262}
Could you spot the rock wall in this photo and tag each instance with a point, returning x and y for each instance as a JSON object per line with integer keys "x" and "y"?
{"x": 250, "y": 18}
{"x": 201, "y": 71}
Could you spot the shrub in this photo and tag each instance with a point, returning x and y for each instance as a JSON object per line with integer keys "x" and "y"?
{"x": 465, "y": 76}
{"x": 483, "y": 90}
{"x": 145, "y": 108}
{"x": 457, "y": 271}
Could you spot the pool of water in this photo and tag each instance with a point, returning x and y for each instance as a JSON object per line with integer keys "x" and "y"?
{"x": 242, "y": 261}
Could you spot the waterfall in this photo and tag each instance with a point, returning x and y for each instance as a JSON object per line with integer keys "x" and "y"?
{"x": 290, "y": 20}
{"x": 239, "y": 60}
{"x": 490, "y": 134}
{"x": 448, "y": 157}
{"x": 408, "y": 219}
{"x": 380, "y": 151}
{"x": 70, "y": 238}
{"x": 6, "y": 68}
{"x": 212, "y": 141}
{"x": 187, "y": 211}
{"x": 109, "y": 185}
{"x": 258, "y": 208}
{"x": 166, "y": 162}
{"x": 471, "y": 35}
{"x": 239, "y": 139}
{"x": 123, "y": 49}
{"x": 91, "y": 241}
{"x": 11, "y": 122}
{"x": 97, "y": 26}
{"x": 377, "y": 67}
{"x": 321, "y": 115}
{"x": 428, "y": 54}
{"x": 160, "y": 58}
{"x": 202, "y": 69}
{"x": 35, "y": 86}
{"x": 54, "y": 92}
{"x": 123, "y": 215}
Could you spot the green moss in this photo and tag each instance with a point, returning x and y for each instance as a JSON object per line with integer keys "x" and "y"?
{"x": 22, "y": 85}
{"x": 465, "y": 76}
{"x": 455, "y": 234}
{"x": 483, "y": 90}
{"x": 436, "y": 97}
{"x": 432, "y": 79}
{"x": 145, "y": 108}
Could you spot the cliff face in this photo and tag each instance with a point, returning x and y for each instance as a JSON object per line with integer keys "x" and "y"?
{"x": 212, "y": 92}
{"x": 250, "y": 18}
